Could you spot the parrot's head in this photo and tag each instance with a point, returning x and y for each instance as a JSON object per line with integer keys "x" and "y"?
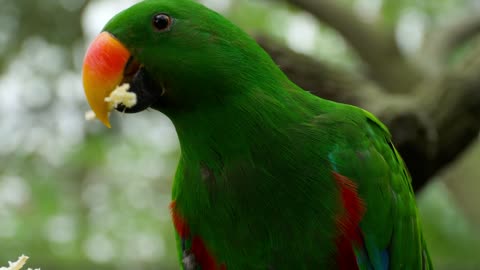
{"x": 175, "y": 54}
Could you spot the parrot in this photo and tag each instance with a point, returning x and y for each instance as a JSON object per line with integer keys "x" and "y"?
{"x": 269, "y": 176}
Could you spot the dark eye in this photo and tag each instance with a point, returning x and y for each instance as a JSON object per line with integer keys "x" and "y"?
{"x": 162, "y": 22}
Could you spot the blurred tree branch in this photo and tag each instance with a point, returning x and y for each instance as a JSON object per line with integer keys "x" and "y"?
{"x": 446, "y": 38}
{"x": 56, "y": 24}
{"x": 430, "y": 126}
{"x": 373, "y": 43}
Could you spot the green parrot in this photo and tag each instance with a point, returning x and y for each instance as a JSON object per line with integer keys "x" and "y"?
{"x": 270, "y": 176}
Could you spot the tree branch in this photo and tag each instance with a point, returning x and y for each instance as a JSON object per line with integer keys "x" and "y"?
{"x": 375, "y": 46}
{"x": 445, "y": 39}
{"x": 430, "y": 127}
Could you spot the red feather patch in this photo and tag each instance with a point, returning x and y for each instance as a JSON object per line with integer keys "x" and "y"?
{"x": 203, "y": 257}
{"x": 198, "y": 248}
{"x": 179, "y": 223}
{"x": 348, "y": 222}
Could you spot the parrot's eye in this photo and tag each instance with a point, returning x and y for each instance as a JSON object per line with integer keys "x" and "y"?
{"x": 162, "y": 22}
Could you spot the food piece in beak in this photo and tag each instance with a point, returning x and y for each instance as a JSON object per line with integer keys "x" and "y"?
{"x": 120, "y": 97}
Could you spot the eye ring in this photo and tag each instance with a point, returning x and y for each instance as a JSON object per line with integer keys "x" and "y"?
{"x": 162, "y": 22}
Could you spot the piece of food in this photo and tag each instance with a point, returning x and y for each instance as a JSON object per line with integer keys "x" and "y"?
{"x": 119, "y": 96}
{"x": 90, "y": 115}
{"x": 18, "y": 265}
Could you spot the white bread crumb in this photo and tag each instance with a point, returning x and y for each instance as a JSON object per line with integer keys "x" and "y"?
{"x": 18, "y": 264}
{"x": 118, "y": 96}
{"x": 121, "y": 96}
{"x": 90, "y": 115}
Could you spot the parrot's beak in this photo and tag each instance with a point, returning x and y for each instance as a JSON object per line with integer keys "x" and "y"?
{"x": 103, "y": 71}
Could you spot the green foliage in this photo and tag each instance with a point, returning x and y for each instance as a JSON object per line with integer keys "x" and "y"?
{"x": 453, "y": 240}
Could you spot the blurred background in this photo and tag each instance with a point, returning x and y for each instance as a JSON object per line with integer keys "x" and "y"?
{"x": 76, "y": 195}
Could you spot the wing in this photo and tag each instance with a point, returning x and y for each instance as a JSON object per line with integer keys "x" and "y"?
{"x": 390, "y": 230}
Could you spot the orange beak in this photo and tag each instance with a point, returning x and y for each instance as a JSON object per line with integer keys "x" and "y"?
{"x": 103, "y": 69}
